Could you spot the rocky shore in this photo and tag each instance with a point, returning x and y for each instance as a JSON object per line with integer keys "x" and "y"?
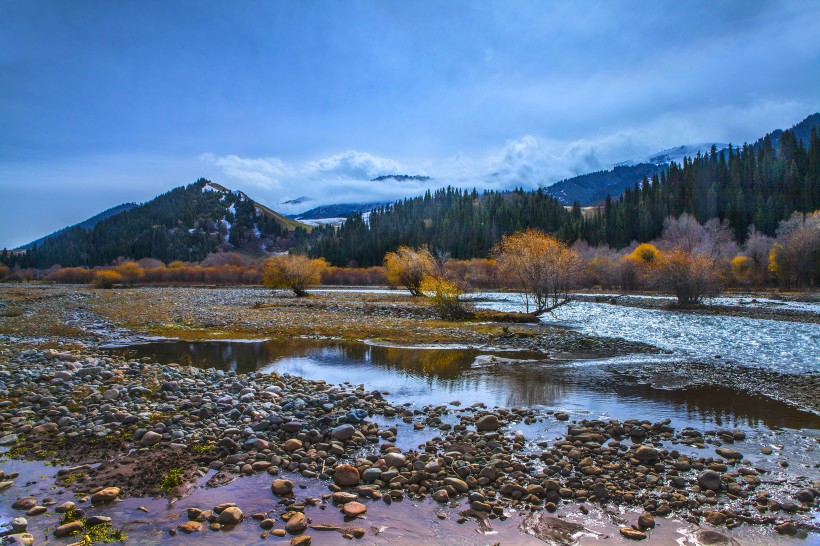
{"x": 127, "y": 428}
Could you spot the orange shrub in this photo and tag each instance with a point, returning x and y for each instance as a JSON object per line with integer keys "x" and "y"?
{"x": 105, "y": 278}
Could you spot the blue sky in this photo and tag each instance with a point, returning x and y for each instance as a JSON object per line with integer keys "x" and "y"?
{"x": 104, "y": 102}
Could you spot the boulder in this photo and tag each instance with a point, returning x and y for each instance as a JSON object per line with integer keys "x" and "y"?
{"x": 346, "y": 475}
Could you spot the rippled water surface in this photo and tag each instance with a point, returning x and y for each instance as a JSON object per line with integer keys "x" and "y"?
{"x": 786, "y": 347}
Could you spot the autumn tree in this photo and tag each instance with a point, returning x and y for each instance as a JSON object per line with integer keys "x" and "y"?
{"x": 293, "y": 271}
{"x": 106, "y": 278}
{"x": 689, "y": 277}
{"x": 131, "y": 272}
{"x": 445, "y": 296}
{"x": 407, "y": 267}
{"x": 539, "y": 265}
{"x": 4, "y": 272}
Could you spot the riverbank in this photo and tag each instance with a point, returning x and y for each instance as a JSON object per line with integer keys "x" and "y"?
{"x": 149, "y": 429}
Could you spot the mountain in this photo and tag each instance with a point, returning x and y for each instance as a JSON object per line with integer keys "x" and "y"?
{"x": 86, "y": 224}
{"x": 341, "y": 210}
{"x": 401, "y": 178}
{"x": 591, "y": 189}
{"x": 186, "y": 223}
{"x": 298, "y": 200}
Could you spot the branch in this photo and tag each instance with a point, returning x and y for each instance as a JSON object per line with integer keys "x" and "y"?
{"x": 552, "y": 308}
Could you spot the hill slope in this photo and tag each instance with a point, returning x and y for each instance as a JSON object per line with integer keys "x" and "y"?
{"x": 186, "y": 223}
{"x": 85, "y": 224}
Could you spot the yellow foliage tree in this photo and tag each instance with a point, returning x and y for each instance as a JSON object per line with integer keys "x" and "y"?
{"x": 540, "y": 265}
{"x": 407, "y": 267}
{"x": 645, "y": 254}
{"x": 293, "y": 271}
{"x": 106, "y": 278}
{"x": 741, "y": 267}
{"x": 131, "y": 272}
{"x": 445, "y": 295}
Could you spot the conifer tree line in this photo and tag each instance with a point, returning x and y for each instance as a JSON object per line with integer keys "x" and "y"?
{"x": 751, "y": 186}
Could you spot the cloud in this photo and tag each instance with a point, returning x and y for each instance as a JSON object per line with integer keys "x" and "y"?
{"x": 353, "y": 165}
{"x": 265, "y": 172}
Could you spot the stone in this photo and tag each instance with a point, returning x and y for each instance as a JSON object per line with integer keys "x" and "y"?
{"x": 19, "y": 525}
{"x": 646, "y": 453}
{"x": 190, "y": 527}
{"x": 457, "y": 484}
{"x": 395, "y": 460}
{"x": 727, "y": 453}
{"x": 646, "y": 521}
{"x": 487, "y": 423}
{"x": 715, "y": 518}
{"x": 91, "y": 521}
{"x": 267, "y": 523}
{"x": 371, "y": 474}
{"x": 109, "y": 494}
{"x": 150, "y": 438}
{"x": 354, "y": 509}
{"x": 230, "y": 516}
{"x": 709, "y": 479}
{"x": 342, "y": 497}
{"x": 68, "y": 529}
{"x": 24, "y": 539}
{"x": 296, "y": 524}
{"x": 292, "y": 445}
{"x": 24, "y": 503}
{"x": 441, "y": 496}
{"x": 632, "y": 534}
{"x": 281, "y": 487}
{"x": 300, "y": 541}
{"x": 343, "y": 432}
{"x": 346, "y": 475}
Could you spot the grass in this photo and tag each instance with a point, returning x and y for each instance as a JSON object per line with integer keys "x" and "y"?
{"x": 171, "y": 480}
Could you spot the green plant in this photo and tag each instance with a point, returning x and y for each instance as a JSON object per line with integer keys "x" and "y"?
{"x": 171, "y": 480}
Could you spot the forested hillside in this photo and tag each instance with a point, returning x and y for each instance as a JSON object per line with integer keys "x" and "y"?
{"x": 757, "y": 185}
{"x": 187, "y": 223}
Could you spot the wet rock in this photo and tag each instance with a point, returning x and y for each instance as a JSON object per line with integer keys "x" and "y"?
{"x": 346, "y": 475}
{"x": 395, "y": 460}
{"x": 23, "y": 539}
{"x": 715, "y": 518}
{"x": 292, "y": 445}
{"x": 24, "y": 503}
{"x": 68, "y": 529}
{"x": 441, "y": 496}
{"x": 281, "y": 487}
{"x": 354, "y": 509}
{"x": 786, "y": 528}
{"x": 646, "y": 453}
{"x": 727, "y": 453}
{"x": 19, "y": 525}
{"x": 646, "y": 521}
{"x": 296, "y": 524}
{"x": 488, "y": 423}
{"x": 109, "y": 494}
{"x": 371, "y": 475}
{"x": 709, "y": 479}
{"x": 632, "y": 534}
{"x": 300, "y": 541}
{"x": 190, "y": 527}
{"x": 457, "y": 484}
{"x": 230, "y": 516}
{"x": 343, "y": 432}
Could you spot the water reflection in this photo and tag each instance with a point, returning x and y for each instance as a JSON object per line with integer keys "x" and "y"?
{"x": 439, "y": 376}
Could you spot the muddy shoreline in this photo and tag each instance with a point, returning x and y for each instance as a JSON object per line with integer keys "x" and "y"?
{"x": 152, "y": 430}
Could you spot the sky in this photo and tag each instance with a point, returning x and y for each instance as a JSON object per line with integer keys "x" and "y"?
{"x": 108, "y": 102}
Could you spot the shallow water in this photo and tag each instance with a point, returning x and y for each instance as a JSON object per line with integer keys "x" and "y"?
{"x": 420, "y": 377}
{"x": 782, "y": 346}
